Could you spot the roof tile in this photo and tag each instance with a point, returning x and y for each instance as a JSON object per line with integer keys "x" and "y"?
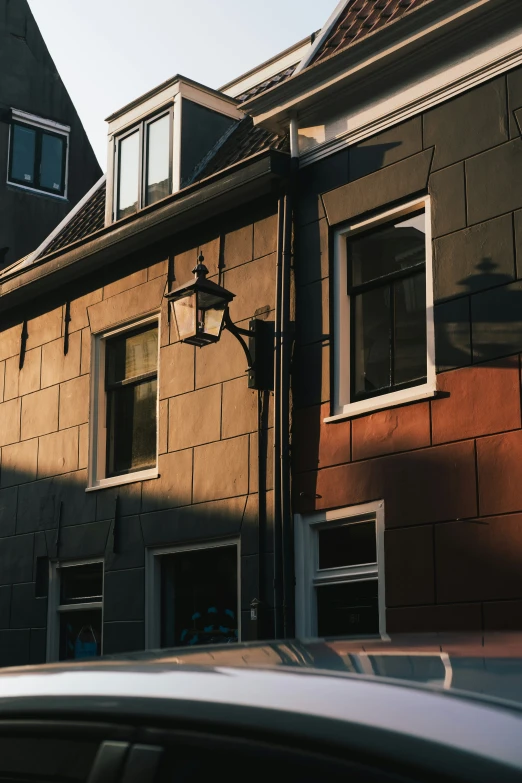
{"x": 282, "y": 76}
{"x": 361, "y": 18}
{"x": 90, "y": 218}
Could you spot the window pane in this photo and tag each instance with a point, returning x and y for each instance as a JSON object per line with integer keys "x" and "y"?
{"x": 23, "y": 154}
{"x": 349, "y": 609}
{"x": 129, "y": 172}
{"x": 132, "y": 354}
{"x": 392, "y": 248}
{"x": 80, "y": 634}
{"x": 79, "y": 584}
{"x": 158, "y": 159}
{"x": 346, "y": 545}
{"x": 371, "y": 340}
{"x": 131, "y": 427}
{"x": 199, "y": 597}
{"x": 410, "y": 329}
{"x": 51, "y": 169}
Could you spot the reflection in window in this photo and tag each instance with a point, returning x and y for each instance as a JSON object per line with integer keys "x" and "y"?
{"x": 346, "y": 545}
{"x": 131, "y": 386}
{"x": 37, "y": 158}
{"x": 81, "y": 584}
{"x": 158, "y": 159}
{"x": 348, "y": 609}
{"x": 387, "y": 287}
{"x": 23, "y": 153}
{"x": 199, "y": 597}
{"x": 80, "y": 611}
{"x": 345, "y": 579}
{"x": 128, "y": 175}
{"x": 52, "y": 161}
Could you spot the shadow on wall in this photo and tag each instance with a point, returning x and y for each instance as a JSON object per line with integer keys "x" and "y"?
{"x": 484, "y": 324}
{"x": 453, "y": 539}
{"x": 55, "y": 519}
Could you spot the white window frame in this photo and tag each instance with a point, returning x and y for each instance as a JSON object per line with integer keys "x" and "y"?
{"x": 55, "y": 609}
{"x": 98, "y": 410}
{"x": 343, "y": 408}
{"x": 307, "y": 573}
{"x": 47, "y": 125}
{"x": 142, "y": 129}
{"x": 153, "y": 585}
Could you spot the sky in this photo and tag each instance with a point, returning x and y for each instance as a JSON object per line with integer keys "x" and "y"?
{"x": 109, "y": 52}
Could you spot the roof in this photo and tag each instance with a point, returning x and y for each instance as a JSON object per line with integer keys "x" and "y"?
{"x": 88, "y": 220}
{"x": 244, "y": 141}
{"x": 278, "y": 78}
{"x": 359, "y": 19}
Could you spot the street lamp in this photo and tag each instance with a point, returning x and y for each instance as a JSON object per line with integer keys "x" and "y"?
{"x": 200, "y": 309}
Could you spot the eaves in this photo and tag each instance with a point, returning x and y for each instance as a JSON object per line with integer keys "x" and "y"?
{"x": 431, "y": 31}
{"x": 228, "y": 189}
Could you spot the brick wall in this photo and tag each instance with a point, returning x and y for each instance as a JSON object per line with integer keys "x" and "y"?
{"x": 447, "y": 469}
{"x": 208, "y": 435}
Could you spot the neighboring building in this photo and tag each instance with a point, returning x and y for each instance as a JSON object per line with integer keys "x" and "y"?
{"x": 46, "y": 161}
{"x": 148, "y": 495}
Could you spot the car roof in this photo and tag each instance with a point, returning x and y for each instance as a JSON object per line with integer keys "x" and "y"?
{"x": 370, "y": 716}
{"x": 480, "y": 666}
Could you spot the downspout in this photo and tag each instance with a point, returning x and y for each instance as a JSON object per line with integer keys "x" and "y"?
{"x": 286, "y": 357}
{"x": 277, "y": 532}
{"x": 283, "y": 524}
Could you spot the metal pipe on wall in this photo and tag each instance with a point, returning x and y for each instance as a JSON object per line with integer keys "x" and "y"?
{"x": 277, "y": 532}
{"x": 285, "y": 341}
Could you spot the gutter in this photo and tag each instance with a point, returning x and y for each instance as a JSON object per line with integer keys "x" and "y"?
{"x": 226, "y": 190}
{"x": 431, "y": 25}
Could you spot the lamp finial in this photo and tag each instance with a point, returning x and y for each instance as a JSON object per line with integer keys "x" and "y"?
{"x": 200, "y": 270}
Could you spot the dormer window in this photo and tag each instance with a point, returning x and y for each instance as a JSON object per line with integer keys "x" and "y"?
{"x": 159, "y": 143}
{"x": 38, "y": 154}
{"x": 143, "y": 165}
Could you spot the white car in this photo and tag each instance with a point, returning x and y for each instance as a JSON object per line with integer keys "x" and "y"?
{"x": 276, "y": 711}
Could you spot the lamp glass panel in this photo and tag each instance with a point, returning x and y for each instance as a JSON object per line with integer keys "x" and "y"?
{"x": 214, "y": 320}
{"x": 185, "y": 315}
{"x": 206, "y": 300}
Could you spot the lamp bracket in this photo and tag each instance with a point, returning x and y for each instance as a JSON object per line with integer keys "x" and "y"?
{"x": 258, "y": 351}
{"x": 237, "y": 331}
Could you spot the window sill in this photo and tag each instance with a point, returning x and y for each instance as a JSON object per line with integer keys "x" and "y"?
{"x": 415, "y": 394}
{"x": 117, "y": 481}
{"x": 37, "y": 192}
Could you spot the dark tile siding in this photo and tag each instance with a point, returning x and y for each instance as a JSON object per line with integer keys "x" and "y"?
{"x": 30, "y": 82}
{"x": 447, "y": 469}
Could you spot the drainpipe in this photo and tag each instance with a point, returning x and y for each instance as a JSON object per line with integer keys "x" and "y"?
{"x": 277, "y": 533}
{"x": 286, "y": 357}
{"x": 283, "y": 524}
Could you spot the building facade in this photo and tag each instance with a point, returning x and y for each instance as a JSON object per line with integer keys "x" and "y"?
{"x": 46, "y": 161}
{"x": 149, "y": 496}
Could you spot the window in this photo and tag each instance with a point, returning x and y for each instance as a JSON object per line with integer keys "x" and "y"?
{"x": 340, "y": 573}
{"x": 75, "y": 625}
{"x": 125, "y": 405}
{"x": 384, "y": 311}
{"x": 38, "y": 154}
{"x": 193, "y": 595}
{"x": 143, "y": 165}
